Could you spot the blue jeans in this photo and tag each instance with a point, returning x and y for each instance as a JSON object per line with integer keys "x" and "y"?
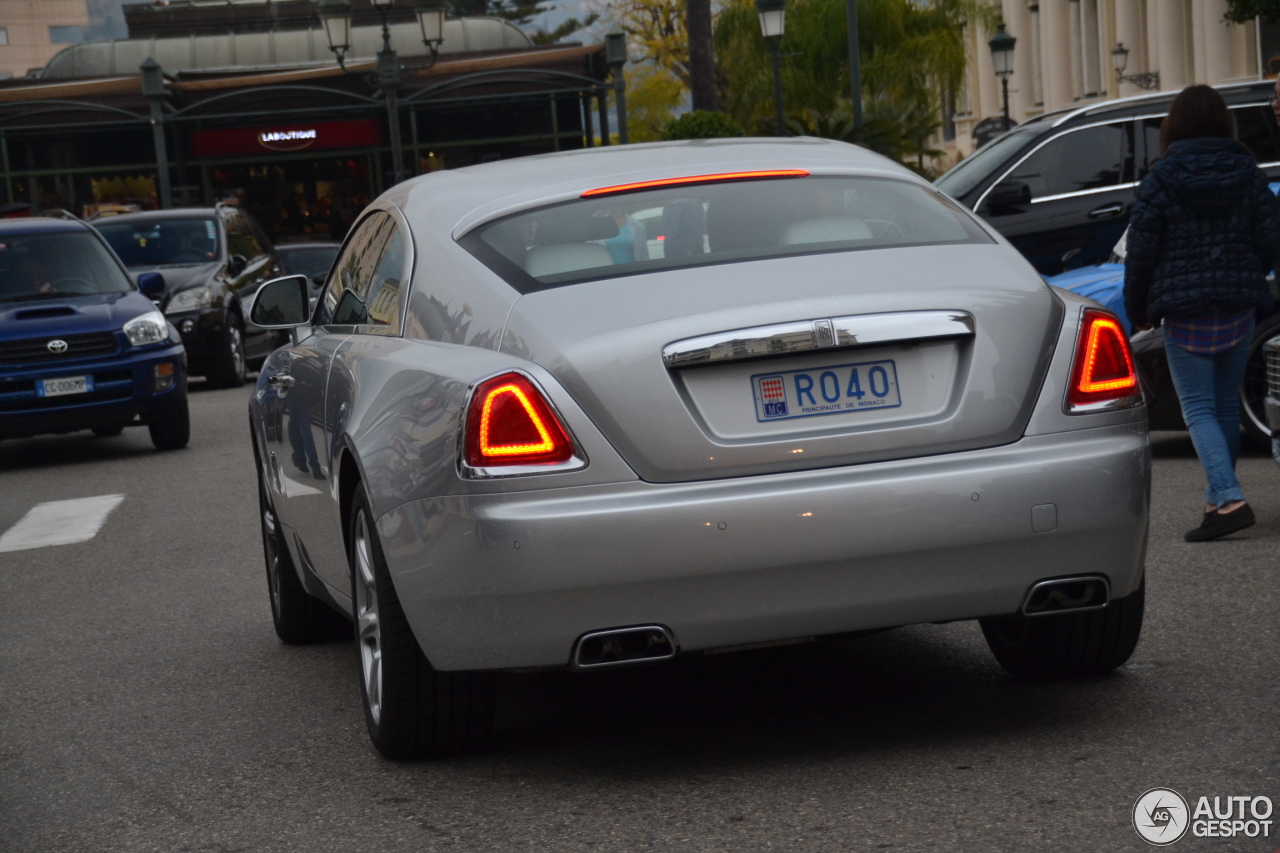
{"x": 1208, "y": 387}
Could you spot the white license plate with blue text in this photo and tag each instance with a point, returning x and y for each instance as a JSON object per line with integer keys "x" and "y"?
{"x": 826, "y": 390}
{"x": 64, "y": 385}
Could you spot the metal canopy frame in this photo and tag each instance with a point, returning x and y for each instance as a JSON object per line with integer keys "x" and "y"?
{"x": 538, "y": 83}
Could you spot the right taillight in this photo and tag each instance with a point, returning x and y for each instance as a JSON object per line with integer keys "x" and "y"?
{"x": 1103, "y": 369}
{"x": 510, "y": 424}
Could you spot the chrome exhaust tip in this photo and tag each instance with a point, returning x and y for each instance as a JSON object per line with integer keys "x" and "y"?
{"x": 1059, "y": 595}
{"x": 618, "y": 646}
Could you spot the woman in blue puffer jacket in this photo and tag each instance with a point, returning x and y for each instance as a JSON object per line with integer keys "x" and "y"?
{"x": 1203, "y": 234}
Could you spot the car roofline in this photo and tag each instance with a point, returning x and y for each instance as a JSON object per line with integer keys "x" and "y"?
{"x": 1134, "y": 100}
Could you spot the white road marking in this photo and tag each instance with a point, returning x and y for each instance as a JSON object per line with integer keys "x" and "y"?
{"x": 59, "y": 523}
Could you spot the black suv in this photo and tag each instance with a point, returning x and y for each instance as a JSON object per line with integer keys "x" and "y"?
{"x": 213, "y": 261}
{"x": 1059, "y": 187}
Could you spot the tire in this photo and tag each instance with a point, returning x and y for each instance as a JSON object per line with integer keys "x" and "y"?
{"x": 299, "y": 618}
{"x": 108, "y": 432}
{"x": 1070, "y": 645}
{"x": 229, "y": 363}
{"x": 1253, "y": 387}
{"x": 415, "y": 711}
{"x": 172, "y": 432}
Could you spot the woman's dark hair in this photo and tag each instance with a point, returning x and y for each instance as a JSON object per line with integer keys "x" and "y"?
{"x": 1198, "y": 111}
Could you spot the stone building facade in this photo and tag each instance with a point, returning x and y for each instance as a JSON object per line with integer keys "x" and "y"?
{"x": 32, "y": 31}
{"x": 1063, "y": 56}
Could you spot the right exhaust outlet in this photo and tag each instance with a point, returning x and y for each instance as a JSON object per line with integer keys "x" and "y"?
{"x": 1059, "y": 595}
{"x": 622, "y": 646}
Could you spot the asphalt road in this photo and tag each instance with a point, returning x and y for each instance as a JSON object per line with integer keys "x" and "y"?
{"x": 145, "y": 703}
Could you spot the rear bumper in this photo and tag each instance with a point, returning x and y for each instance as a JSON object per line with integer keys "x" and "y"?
{"x": 124, "y": 394}
{"x": 512, "y": 580}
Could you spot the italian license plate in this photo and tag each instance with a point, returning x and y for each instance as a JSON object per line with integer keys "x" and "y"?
{"x": 64, "y": 385}
{"x": 826, "y": 390}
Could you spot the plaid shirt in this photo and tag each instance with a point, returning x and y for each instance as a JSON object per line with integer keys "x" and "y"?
{"x": 1215, "y": 331}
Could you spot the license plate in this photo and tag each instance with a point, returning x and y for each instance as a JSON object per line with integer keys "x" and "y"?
{"x": 64, "y": 385}
{"x": 826, "y": 390}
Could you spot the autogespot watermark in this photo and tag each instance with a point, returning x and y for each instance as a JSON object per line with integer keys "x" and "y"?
{"x": 1162, "y": 816}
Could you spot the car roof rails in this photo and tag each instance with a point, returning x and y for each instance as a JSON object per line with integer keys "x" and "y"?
{"x": 59, "y": 213}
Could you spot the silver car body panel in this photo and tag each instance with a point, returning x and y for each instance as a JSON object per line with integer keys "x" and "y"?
{"x": 509, "y": 581}
{"x": 925, "y": 517}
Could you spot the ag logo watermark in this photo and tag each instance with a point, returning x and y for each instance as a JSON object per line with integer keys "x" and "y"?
{"x": 1161, "y": 816}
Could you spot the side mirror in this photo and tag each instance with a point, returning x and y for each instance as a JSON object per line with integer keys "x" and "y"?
{"x": 281, "y": 303}
{"x": 236, "y": 265}
{"x": 151, "y": 284}
{"x": 1009, "y": 194}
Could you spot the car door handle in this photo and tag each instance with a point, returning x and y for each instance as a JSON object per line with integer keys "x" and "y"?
{"x": 280, "y": 381}
{"x": 1106, "y": 211}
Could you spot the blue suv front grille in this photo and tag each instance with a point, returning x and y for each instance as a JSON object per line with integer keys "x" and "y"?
{"x": 36, "y": 350}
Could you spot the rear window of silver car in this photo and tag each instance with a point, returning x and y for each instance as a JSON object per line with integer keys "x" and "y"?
{"x": 691, "y": 225}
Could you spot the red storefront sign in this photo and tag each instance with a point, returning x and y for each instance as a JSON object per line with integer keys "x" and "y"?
{"x": 242, "y": 141}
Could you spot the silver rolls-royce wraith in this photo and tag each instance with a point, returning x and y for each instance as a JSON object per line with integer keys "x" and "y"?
{"x": 606, "y": 407}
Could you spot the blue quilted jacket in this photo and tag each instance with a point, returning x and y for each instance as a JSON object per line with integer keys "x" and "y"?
{"x": 1204, "y": 232}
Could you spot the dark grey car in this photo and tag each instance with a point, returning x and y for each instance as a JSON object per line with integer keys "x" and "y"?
{"x": 213, "y": 261}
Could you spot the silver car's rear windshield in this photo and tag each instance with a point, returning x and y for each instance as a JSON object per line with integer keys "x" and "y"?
{"x": 674, "y": 227}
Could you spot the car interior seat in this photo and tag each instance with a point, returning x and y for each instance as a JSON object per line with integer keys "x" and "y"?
{"x": 566, "y": 243}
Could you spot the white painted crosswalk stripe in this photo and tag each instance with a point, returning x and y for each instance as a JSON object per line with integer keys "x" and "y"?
{"x": 59, "y": 523}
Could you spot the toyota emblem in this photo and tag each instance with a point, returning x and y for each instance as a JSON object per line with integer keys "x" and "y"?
{"x": 57, "y": 346}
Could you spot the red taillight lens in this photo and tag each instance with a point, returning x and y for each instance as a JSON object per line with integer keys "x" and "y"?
{"x": 1103, "y": 369}
{"x": 509, "y": 423}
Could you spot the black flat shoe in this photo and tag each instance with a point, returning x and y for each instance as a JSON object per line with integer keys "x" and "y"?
{"x": 1219, "y": 524}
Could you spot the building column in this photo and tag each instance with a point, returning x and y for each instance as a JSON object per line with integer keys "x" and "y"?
{"x": 1216, "y": 65}
{"x": 1022, "y": 88}
{"x": 1170, "y": 48}
{"x": 1128, "y": 33}
{"x": 1055, "y": 23}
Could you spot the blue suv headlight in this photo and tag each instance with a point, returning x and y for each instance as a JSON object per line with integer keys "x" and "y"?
{"x": 148, "y": 328}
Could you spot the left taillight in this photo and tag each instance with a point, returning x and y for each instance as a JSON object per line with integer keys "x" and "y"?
{"x": 1103, "y": 370}
{"x": 510, "y": 424}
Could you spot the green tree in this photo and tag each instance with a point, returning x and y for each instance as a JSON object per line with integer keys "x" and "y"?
{"x": 1240, "y": 11}
{"x": 911, "y": 51}
{"x": 702, "y": 124}
{"x": 567, "y": 28}
{"x": 653, "y": 95}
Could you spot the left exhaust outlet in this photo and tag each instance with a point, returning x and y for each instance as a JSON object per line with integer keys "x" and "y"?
{"x": 618, "y": 646}
{"x": 1063, "y": 594}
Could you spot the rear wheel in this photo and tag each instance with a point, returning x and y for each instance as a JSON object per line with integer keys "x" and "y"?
{"x": 229, "y": 364}
{"x": 411, "y": 709}
{"x": 298, "y": 617}
{"x": 1253, "y": 387}
{"x": 1067, "y": 645}
{"x": 173, "y": 431}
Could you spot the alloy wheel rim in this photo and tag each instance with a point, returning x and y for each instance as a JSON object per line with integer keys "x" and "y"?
{"x": 368, "y": 625}
{"x": 237, "y": 351}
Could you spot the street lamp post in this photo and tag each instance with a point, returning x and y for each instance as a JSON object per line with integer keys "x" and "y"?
{"x": 772, "y": 23}
{"x": 1001, "y": 45}
{"x": 1120, "y": 59}
{"x": 336, "y": 17}
{"x": 615, "y": 53}
{"x": 153, "y": 89}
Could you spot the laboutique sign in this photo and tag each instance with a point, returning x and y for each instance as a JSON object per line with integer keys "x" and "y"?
{"x": 241, "y": 141}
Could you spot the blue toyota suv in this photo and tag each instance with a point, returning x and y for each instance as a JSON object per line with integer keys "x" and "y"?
{"x": 82, "y": 347}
